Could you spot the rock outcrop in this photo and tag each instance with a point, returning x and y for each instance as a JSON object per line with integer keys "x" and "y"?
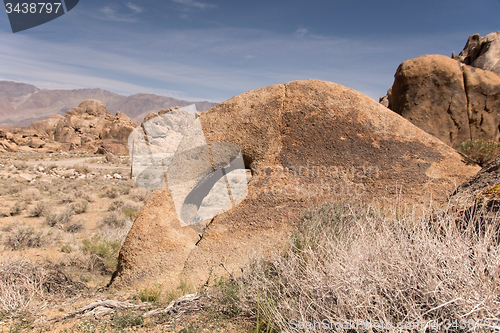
{"x": 482, "y": 52}
{"x": 305, "y": 142}
{"x": 450, "y": 100}
{"x": 89, "y": 127}
{"x": 477, "y": 201}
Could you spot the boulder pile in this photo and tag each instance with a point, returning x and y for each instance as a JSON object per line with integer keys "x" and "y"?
{"x": 88, "y": 127}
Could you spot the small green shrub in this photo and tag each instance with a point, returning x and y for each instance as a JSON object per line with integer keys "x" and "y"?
{"x": 107, "y": 250}
{"x": 131, "y": 214}
{"x": 126, "y": 319}
{"x": 480, "y": 151}
{"x": 65, "y": 248}
{"x": 151, "y": 294}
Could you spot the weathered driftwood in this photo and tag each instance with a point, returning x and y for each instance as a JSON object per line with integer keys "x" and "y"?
{"x": 101, "y": 308}
{"x": 181, "y": 304}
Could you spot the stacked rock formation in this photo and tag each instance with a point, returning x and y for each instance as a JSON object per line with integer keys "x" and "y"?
{"x": 482, "y": 52}
{"x": 88, "y": 127}
{"x": 453, "y": 99}
{"x": 305, "y": 142}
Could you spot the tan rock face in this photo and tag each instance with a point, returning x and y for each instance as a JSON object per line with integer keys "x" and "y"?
{"x": 447, "y": 99}
{"x": 483, "y": 91}
{"x": 306, "y": 142}
{"x": 429, "y": 92}
{"x": 482, "y": 52}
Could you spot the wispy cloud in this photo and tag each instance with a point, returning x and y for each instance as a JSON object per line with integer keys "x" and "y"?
{"x": 118, "y": 13}
{"x": 300, "y": 33}
{"x": 195, "y": 4}
{"x": 135, "y": 8}
{"x": 211, "y": 64}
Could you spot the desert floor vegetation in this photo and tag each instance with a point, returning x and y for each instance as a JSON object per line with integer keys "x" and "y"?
{"x": 345, "y": 262}
{"x": 55, "y": 223}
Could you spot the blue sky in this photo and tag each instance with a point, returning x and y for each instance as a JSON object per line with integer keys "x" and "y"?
{"x": 213, "y": 49}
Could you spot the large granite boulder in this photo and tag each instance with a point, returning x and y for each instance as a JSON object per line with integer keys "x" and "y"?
{"x": 305, "y": 142}
{"x": 450, "y": 100}
{"x": 482, "y": 52}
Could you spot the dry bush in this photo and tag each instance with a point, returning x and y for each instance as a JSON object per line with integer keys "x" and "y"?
{"x": 22, "y": 282}
{"x": 115, "y": 205}
{"x": 131, "y": 209}
{"x": 30, "y": 194}
{"x": 113, "y": 219}
{"x": 86, "y": 193}
{"x": 63, "y": 217}
{"x": 110, "y": 192}
{"x": 80, "y": 207}
{"x": 349, "y": 262}
{"x": 38, "y": 210}
{"x": 83, "y": 169}
{"x": 74, "y": 227}
{"x": 140, "y": 194}
{"x": 24, "y": 237}
{"x": 17, "y": 208}
{"x": 67, "y": 198}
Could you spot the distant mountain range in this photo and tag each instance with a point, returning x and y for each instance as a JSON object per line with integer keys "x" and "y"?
{"x": 21, "y": 104}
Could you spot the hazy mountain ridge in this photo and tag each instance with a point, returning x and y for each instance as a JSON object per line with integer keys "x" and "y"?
{"x": 21, "y": 104}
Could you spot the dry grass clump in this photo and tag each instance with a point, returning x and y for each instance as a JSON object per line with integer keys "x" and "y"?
{"x": 140, "y": 194}
{"x": 63, "y": 217}
{"x": 22, "y": 282}
{"x": 17, "y": 208}
{"x": 74, "y": 227}
{"x": 38, "y": 210}
{"x": 350, "y": 262}
{"x": 82, "y": 169}
{"x": 80, "y": 207}
{"x": 24, "y": 237}
{"x": 30, "y": 194}
{"x": 115, "y": 205}
{"x": 86, "y": 193}
{"x": 113, "y": 219}
{"x": 110, "y": 192}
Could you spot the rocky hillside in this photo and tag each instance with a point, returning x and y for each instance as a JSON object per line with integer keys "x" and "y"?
{"x": 305, "y": 142}
{"x": 89, "y": 127}
{"x": 21, "y": 104}
{"x": 455, "y": 99}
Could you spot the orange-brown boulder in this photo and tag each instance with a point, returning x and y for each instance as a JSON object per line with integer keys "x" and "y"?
{"x": 450, "y": 100}
{"x": 305, "y": 142}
